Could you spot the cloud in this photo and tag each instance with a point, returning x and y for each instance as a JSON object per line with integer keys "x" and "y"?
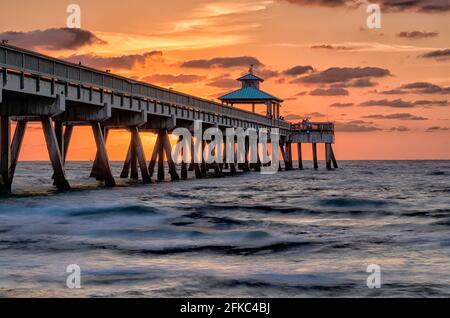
{"x": 359, "y": 83}
{"x": 223, "y": 62}
{"x": 397, "y": 116}
{"x": 329, "y": 92}
{"x": 437, "y": 129}
{"x": 115, "y": 62}
{"x": 332, "y": 47}
{"x": 168, "y": 79}
{"x": 293, "y": 117}
{"x": 416, "y": 35}
{"x": 399, "y": 129}
{"x": 418, "y": 88}
{"x": 298, "y": 70}
{"x": 337, "y": 74}
{"x": 426, "y": 6}
{"x": 266, "y": 73}
{"x": 356, "y": 126}
{"x": 223, "y": 82}
{"x": 52, "y": 39}
{"x": 399, "y": 103}
{"x": 439, "y": 54}
{"x": 342, "y": 105}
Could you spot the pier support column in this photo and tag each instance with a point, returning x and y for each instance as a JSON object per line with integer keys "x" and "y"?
{"x": 67, "y": 138}
{"x": 300, "y": 156}
{"x": 283, "y": 154}
{"x": 333, "y": 158}
{"x": 288, "y": 158}
{"x": 314, "y": 149}
{"x": 139, "y": 151}
{"x": 5, "y": 157}
{"x": 96, "y": 171}
{"x": 54, "y": 152}
{"x": 16, "y": 145}
{"x": 126, "y": 165}
{"x": 162, "y": 146}
{"x": 184, "y": 167}
{"x": 104, "y": 166}
{"x": 328, "y": 155}
{"x": 195, "y": 166}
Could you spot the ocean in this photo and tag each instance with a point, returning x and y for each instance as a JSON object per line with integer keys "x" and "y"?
{"x": 293, "y": 234}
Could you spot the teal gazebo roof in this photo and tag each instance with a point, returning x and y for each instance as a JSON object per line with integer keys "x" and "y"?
{"x": 248, "y": 94}
{"x": 250, "y": 77}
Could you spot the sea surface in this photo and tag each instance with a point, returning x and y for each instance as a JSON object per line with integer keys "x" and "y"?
{"x": 293, "y": 234}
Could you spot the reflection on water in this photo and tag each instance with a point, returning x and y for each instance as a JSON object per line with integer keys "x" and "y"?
{"x": 296, "y": 234}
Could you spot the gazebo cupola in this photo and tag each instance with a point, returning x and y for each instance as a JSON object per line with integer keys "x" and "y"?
{"x": 251, "y": 94}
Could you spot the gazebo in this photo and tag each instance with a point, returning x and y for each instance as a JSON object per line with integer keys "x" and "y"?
{"x": 251, "y": 94}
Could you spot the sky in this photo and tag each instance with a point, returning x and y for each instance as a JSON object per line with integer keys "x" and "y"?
{"x": 387, "y": 89}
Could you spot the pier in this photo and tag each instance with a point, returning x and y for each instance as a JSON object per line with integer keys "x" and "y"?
{"x": 61, "y": 95}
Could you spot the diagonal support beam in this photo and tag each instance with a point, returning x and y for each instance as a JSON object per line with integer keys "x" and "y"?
{"x": 5, "y": 156}
{"x": 54, "y": 152}
{"x": 139, "y": 150}
{"x": 16, "y": 146}
{"x": 103, "y": 155}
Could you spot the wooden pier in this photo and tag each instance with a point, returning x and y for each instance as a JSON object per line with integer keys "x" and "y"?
{"x": 61, "y": 95}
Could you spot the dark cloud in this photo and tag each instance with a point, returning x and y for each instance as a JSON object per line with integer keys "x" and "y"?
{"x": 416, "y": 35}
{"x": 399, "y": 103}
{"x": 266, "y": 73}
{"x": 293, "y": 117}
{"x": 359, "y": 83}
{"x": 342, "y": 105}
{"x": 393, "y": 92}
{"x": 224, "y": 83}
{"x": 332, "y": 47}
{"x": 439, "y": 54}
{"x": 399, "y": 129}
{"x": 338, "y": 74}
{"x": 427, "y": 6}
{"x": 299, "y": 70}
{"x": 426, "y": 88}
{"x": 168, "y": 79}
{"x": 52, "y": 39}
{"x": 315, "y": 114}
{"x": 397, "y": 116}
{"x": 437, "y": 129}
{"x": 114, "y": 62}
{"x": 356, "y": 126}
{"x": 224, "y": 62}
{"x": 301, "y": 94}
{"x": 329, "y": 92}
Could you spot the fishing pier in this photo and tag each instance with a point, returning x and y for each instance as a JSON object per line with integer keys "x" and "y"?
{"x": 61, "y": 95}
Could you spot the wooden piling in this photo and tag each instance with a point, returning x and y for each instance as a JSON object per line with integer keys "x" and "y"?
{"x": 300, "y": 156}
{"x": 133, "y": 161}
{"x": 333, "y": 158}
{"x": 96, "y": 171}
{"x": 156, "y": 148}
{"x": 161, "y": 173}
{"x": 67, "y": 138}
{"x": 328, "y": 155}
{"x": 184, "y": 167}
{"x": 283, "y": 154}
{"x": 314, "y": 148}
{"x": 60, "y": 180}
{"x": 16, "y": 145}
{"x": 103, "y": 155}
{"x": 168, "y": 150}
{"x": 139, "y": 150}
{"x": 195, "y": 166}
{"x": 126, "y": 165}
{"x": 5, "y": 157}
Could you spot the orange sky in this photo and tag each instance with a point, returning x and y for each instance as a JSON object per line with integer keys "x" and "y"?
{"x": 280, "y": 35}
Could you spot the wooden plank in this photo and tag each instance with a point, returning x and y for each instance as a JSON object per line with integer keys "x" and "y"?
{"x": 5, "y": 157}
{"x": 140, "y": 155}
{"x": 16, "y": 145}
{"x": 300, "y": 156}
{"x": 314, "y": 148}
{"x": 60, "y": 180}
{"x": 103, "y": 155}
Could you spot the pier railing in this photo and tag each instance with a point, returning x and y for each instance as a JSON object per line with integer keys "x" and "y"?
{"x": 47, "y": 67}
{"x": 317, "y": 127}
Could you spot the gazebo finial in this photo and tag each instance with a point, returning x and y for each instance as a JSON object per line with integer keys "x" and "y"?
{"x": 251, "y": 69}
